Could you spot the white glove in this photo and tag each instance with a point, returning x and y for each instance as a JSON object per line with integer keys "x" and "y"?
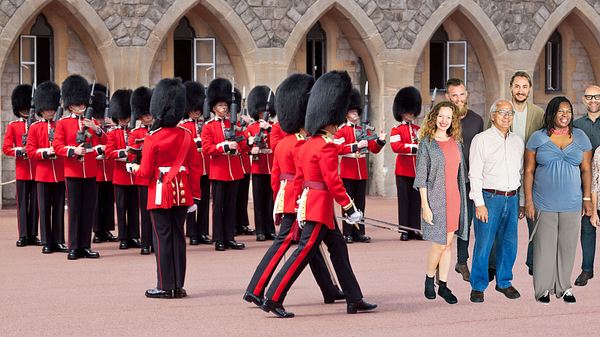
{"x": 355, "y": 217}
{"x": 131, "y": 167}
{"x": 192, "y": 209}
{"x": 301, "y": 224}
{"x": 362, "y": 144}
{"x": 255, "y": 150}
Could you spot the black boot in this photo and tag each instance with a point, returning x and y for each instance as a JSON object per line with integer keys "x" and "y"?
{"x": 446, "y": 293}
{"x": 429, "y": 288}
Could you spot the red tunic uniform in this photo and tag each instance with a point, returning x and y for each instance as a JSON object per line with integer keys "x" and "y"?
{"x": 158, "y": 155}
{"x": 116, "y": 150}
{"x": 136, "y": 141}
{"x": 276, "y": 135}
{"x": 198, "y": 160}
{"x": 283, "y": 173}
{"x": 13, "y": 143}
{"x": 47, "y": 169}
{"x": 404, "y": 142}
{"x": 223, "y": 166}
{"x": 353, "y": 164}
{"x": 65, "y": 141}
{"x": 319, "y": 183}
{"x": 265, "y": 156}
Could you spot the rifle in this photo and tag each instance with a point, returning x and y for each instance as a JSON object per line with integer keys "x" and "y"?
{"x": 362, "y": 134}
{"x": 433, "y": 98}
{"x": 30, "y": 119}
{"x": 83, "y": 134}
{"x": 261, "y": 136}
{"x": 137, "y": 153}
{"x": 57, "y": 117}
{"x": 244, "y": 108}
{"x": 106, "y": 109}
{"x": 230, "y": 133}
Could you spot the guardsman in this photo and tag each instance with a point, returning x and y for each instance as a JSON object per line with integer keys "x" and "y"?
{"x": 197, "y": 222}
{"x": 74, "y": 140}
{"x": 126, "y": 194}
{"x": 166, "y": 164}
{"x": 140, "y": 108}
{"x": 242, "y": 221}
{"x": 292, "y": 97}
{"x": 104, "y": 219}
{"x": 261, "y": 101}
{"x": 225, "y": 144}
{"x": 49, "y": 170}
{"x": 353, "y": 165}
{"x": 405, "y": 142}
{"x": 16, "y": 133}
{"x": 277, "y": 134}
{"x": 320, "y": 186}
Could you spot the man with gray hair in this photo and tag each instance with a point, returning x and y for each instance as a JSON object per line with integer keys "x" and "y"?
{"x": 495, "y": 165}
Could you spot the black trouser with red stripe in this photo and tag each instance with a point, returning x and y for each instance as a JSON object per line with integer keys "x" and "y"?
{"x": 27, "y": 208}
{"x": 196, "y": 223}
{"x": 169, "y": 245}
{"x": 128, "y": 211}
{"x": 312, "y": 235}
{"x": 105, "y": 215}
{"x": 224, "y": 209}
{"x": 266, "y": 267}
{"x": 146, "y": 223}
{"x": 357, "y": 190}
{"x": 51, "y": 202}
{"x": 262, "y": 196}
{"x": 81, "y": 198}
{"x": 409, "y": 203}
{"x": 241, "y": 211}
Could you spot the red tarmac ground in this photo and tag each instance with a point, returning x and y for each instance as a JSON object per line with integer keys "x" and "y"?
{"x": 46, "y": 295}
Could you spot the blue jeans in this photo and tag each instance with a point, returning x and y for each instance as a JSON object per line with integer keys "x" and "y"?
{"x": 502, "y": 225}
{"x": 588, "y": 243}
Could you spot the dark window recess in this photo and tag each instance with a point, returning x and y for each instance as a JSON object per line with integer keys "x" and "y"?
{"x": 45, "y": 56}
{"x": 437, "y": 60}
{"x": 316, "y": 51}
{"x": 183, "y": 49}
{"x": 553, "y": 63}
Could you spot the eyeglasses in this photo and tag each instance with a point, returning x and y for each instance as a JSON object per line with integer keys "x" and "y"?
{"x": 565, "y": 112}
{"x": 505, "y": 113}
{"x": 590, "y": 97}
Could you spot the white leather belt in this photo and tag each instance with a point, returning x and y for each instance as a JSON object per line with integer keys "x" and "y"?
{"x": 354, "y": 155}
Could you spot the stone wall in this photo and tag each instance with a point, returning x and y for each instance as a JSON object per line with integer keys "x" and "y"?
{"x": 156, "y": 69}
{"x": 348, "y": 59}
{"x": 475, "y": 84}
{"x": 10, "y": 79}
{"x": 582, "y": 76}
{"x": 78, "y": 60}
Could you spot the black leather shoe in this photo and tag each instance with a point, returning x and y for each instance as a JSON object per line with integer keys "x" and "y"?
{"x": 362, "y": 238}
{"x": 194, "y": 240}
{"x": 89, "y": 254}
{"x": 134, "y": 243}
{"x": 544, "y": 299}
{"x": 463, "y": 270}
{"x": 429, "y": 288}
{"x": 245, "y": 230}
{"x": 99, "y": 238}
{"x": 159, "y": 293}
{"x": 251, "y": 298}
{"x": 354, "y": 307}
{"x": 276, "y": 308}
{"x": 204, "y": 239}
{"x": 124, "y": 244}
{"x": 339, "y": 296}
{"x": 235, "y": 245}
{"x": 568, "y": 296}
{"x": 46, "y": 249}
{"x": 271, "y": 236}
{"x": 61, "y": 248}
{"x": 446, "y": 293}
{"x": 349, "y": 239}
{"x": 22, "y": 242}
{"x": 73, "y": 254}
{"x": 476, "y": 296}
{"x": 179, "y": 293}
{"x": 145, "y": 251}
{"x": 110, "y": 237}
{"x": 583, "y": 278}
{"x": 220, "y": 246}
{"x": 510, "y": 292}
{"x": 260, "y": 237}
{"x": 404, "y": 236}
{"x": 33, "y": 241}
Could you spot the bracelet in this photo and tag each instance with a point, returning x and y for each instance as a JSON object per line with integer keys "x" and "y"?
{"x": 587, "y": 199}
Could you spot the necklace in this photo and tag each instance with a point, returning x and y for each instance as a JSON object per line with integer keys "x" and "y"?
{"x": 560, "y": 132}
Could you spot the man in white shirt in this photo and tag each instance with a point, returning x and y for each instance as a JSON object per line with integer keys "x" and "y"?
{"x": 495, "y": 165}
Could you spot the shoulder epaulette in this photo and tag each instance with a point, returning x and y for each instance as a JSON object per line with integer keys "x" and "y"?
{"x": 299, "y": 136}
{"x": 327, "y": 139}
{"x": 153, "y": 131}
{"x": 183, "y": 128}
{"x": 36, "y": 122}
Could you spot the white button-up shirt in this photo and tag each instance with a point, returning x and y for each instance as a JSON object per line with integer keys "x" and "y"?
{"x": 495, "y": 162}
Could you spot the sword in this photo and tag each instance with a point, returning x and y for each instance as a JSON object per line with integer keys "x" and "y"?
{"x": 328, "y": 265}
{"x": 410, "y": 229}
{"x": 395, "y": 229}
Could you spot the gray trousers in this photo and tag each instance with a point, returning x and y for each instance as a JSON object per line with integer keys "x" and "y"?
{"x": 554, "y": 247}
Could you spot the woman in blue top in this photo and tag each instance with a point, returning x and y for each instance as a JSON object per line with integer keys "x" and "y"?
{"x": 558, "y": 164}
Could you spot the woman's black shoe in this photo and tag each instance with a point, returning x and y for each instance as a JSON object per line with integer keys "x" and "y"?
{"x": 446, "y": 293}
{"x": 429, "y": 288}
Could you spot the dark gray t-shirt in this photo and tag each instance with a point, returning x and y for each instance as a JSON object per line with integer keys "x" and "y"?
{"x": 471, "y": 125}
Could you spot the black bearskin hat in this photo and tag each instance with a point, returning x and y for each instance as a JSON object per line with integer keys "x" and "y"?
{"x": 75, "y": 91}
{"x": 194, "y": 96}
{"x": 21, "y": 99}
{"x": 99, "y": 87}
{"x": 119, "y": 106}
{"x": 257, "y": 101}
{"x": 291, "y": 100}
{"x": 328, "y": 101}
{"x": 167, "y": 105}
{"x": 46, "y": 97}
{"x": 355, "y": 101}
{"x": 99, "y": 104}
{"x": 140, "y": 101}
{"x": 407, "y": 100}
{"x": 237, "y": 94}
{"x": 219, "y": 90}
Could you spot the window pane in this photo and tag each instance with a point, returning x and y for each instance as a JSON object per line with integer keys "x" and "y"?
{"x": 27, "y": 74}
{"x": 27, "y": 48}
{"x": 456, "y": 53}
{"x": 205, "y": 74}
{"x": 205, "y": 51}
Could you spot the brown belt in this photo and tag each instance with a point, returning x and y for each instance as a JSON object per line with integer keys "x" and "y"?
{"x": 504, "y": 193}
{"x": 286, "y": 176}
{"x": 315, "y": 185}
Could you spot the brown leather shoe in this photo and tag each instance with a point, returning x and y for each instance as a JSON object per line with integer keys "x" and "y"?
{"x": 463, "y": 269}
{"x": 509, "y": 292}
{"x": 584, "y": 277}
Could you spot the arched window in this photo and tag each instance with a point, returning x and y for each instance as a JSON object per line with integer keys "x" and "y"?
{"x": 36, "y": 53}
{"x": 183, "y": 59}
{"x": 316, "y": 51}
{"x": 553, "y": 53}
{"x": 437, "y": 59}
